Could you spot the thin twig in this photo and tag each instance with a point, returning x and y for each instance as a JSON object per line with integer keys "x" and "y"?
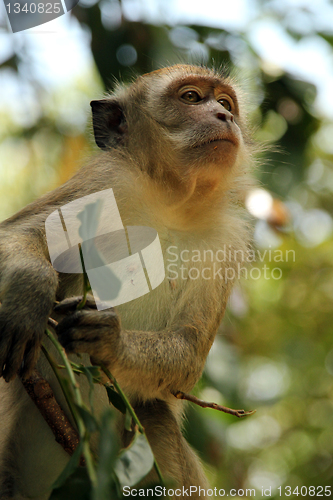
{"x": 78, "y": 400}
{"x": 214, "y": 406}
{"x": 52, "y": 322}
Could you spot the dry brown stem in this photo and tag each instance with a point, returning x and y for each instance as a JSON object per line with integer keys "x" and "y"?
{"x": 214, "y": 406}
{"x": 42, "y": 395}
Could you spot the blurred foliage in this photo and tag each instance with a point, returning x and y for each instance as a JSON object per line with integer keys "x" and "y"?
{"x": 275, "y": 348}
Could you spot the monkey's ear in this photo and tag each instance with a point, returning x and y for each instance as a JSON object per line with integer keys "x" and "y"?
{"x": 108, "y": 122}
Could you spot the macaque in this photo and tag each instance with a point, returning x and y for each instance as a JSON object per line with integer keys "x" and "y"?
{"x": 178, "y": 154}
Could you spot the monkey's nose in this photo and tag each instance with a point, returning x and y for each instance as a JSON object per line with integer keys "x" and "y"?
{"x": 225, "y": 116}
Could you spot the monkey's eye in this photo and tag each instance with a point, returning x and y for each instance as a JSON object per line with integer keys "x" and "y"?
{"x": 225, "y": 103}
{"x": 191, "y": 96}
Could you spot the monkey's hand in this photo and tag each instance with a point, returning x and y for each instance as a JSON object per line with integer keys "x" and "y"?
{"x": 27, "y": 293}
{"x": 88, "y": 330}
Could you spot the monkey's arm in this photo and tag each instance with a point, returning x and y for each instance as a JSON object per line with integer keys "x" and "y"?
{"x": 28, "y": 285}
{"x": 149, "y": 362}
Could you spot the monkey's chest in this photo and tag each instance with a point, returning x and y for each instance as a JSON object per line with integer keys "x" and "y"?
{"x": 150, "y": 311}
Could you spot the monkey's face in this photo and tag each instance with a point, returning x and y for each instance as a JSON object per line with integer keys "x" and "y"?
{"x": 198, "y": 114}
{"x": 183, "y": 121}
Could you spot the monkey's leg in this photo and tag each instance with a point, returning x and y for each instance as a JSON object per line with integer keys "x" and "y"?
{"x": 180, "y": 467}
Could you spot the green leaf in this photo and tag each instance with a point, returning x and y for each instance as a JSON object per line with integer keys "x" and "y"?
{"x": 95, "y": 372}
{"x": 89, "y": 374}
{"x": 106, "y": 486}
{"x": 70, "y": 467}
{"x": 115, "y": 399}
{"x": 128, "y": 420}
{"x": 89, "y": 420}
{"x": 134, "y": 462}
{"x": 76, "y": 487}
{"x": 112, "y": 492}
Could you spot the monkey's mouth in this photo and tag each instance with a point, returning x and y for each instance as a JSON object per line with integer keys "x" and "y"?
{"x": 215, "y": 141}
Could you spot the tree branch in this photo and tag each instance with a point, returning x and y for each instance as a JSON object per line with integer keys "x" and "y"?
{"x": 42, "y": 395}
{"x": 214, "y": 406}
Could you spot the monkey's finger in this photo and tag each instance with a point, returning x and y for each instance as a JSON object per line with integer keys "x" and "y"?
{"x": 92, "y": 319}
{"x": 74, "y": 320}
{"x": 70, "y": 304}
{"x": 79, "y": 334}
{"x": 14, "y": 359}
{"x": 80, "y": 346}
{"x": 96, "y": 350}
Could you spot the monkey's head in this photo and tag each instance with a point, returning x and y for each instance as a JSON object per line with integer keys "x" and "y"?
{"x": 182, "y": 124}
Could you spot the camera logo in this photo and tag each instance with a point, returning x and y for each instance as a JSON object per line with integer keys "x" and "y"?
{"x": 25, "y": 14}
{"x": 122, "y": 263}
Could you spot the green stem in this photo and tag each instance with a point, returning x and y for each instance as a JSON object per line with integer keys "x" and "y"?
{"x": 124, "y": 398}
{"x": 62, "y": 385}
{"x": 85, "y": 282}
{"x": 78, "y": 400}
{"x": 132, "y": 413}
{"x": 68, "y": 366}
